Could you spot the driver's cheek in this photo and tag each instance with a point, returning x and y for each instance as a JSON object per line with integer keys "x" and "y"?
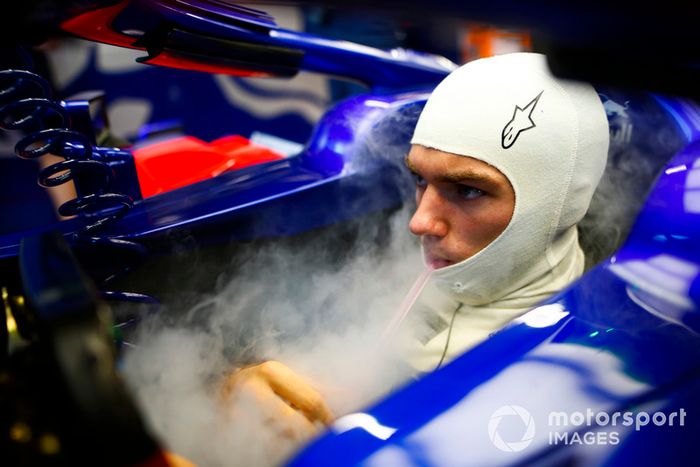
{"x": 478, "y": 224}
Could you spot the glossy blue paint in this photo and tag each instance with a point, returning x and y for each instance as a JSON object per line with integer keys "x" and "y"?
{"x": 377, "y": 68}
{"x": 339, "y": 176}
{"x": 625, "y": 337}
{"x": 685, "y": 114}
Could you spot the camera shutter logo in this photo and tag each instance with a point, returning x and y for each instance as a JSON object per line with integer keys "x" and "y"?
{"x": 528, "y": 428}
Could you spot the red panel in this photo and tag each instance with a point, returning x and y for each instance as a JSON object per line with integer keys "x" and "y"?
{"x": 96, "y": 25}
{"x": 178, "y": 162}
{"x": 173, "y": 61}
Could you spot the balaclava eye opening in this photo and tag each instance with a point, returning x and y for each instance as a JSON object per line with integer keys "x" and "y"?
{"x": 548, "y": 136}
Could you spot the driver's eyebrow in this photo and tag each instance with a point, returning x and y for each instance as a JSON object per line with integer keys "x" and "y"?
{"x": 468, "y": 175}
{"x": 409, "y": 164}
{"x": 458, "y": 176}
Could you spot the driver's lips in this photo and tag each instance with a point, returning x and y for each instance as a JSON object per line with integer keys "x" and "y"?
{"x": 435, "y": 258}
{"x": 437, "y": 263}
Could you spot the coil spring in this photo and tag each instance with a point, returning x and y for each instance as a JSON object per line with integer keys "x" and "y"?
{"x": 33, "y": 113}
{"x": 48, "y": 124}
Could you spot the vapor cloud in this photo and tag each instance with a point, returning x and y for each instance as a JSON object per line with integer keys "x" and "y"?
{"x": 321, "y": 318}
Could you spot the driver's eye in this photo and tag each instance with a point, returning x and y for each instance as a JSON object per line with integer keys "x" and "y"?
{"x": 469, "y": 192}
{"x": 420, "y": 181}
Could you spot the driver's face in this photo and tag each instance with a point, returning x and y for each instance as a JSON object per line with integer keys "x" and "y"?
{"x": 463, "y": 204}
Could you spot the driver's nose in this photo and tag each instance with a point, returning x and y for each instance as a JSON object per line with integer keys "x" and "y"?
{"x": 428, "y": 218}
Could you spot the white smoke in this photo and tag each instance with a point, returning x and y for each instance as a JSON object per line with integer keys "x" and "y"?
{"x": 322, "y": 319}
{"x": 642, "y": 140}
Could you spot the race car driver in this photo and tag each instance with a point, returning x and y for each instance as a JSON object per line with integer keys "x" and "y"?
{"x": 506, "y": 159}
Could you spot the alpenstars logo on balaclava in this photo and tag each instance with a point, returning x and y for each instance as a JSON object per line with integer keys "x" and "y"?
{"x": 521, "y": 121}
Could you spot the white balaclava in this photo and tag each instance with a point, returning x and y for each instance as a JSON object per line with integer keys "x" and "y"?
{"x": 549, "y": 137}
